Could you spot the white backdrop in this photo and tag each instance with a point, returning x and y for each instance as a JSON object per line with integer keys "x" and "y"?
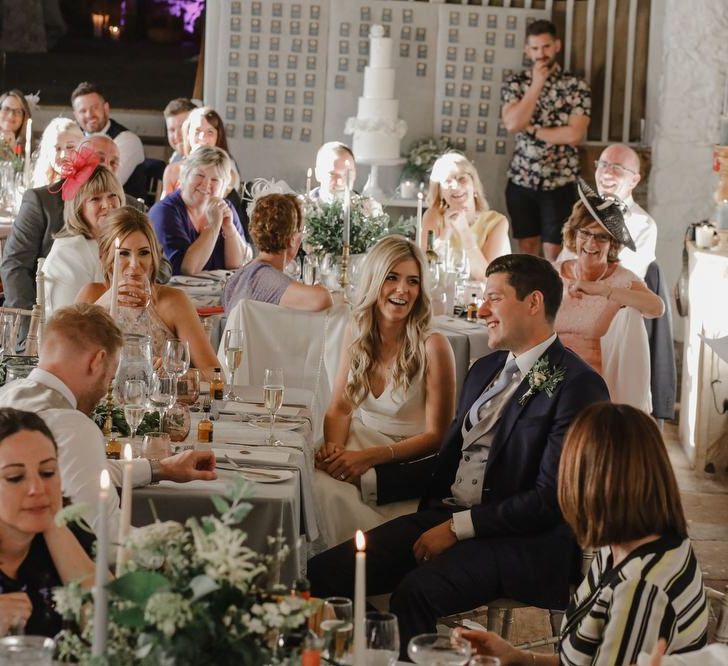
{"x": 285, "y": 75}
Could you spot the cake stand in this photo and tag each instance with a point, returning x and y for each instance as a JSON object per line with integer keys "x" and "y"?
{"x": 372, "y": 189}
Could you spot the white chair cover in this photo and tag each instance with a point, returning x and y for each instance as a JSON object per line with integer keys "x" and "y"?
{"x": 626, "y": 360}
{"x": 306, "y": 345}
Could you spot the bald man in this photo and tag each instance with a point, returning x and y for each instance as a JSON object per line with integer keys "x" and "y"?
{"x": 618, "y": 172}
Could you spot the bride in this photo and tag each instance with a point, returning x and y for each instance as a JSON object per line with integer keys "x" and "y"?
{"x": 393, "y": 397}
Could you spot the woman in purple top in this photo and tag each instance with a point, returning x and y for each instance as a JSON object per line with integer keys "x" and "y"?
{"x": 276, "y": 226}
{"x": 197, "y": 228}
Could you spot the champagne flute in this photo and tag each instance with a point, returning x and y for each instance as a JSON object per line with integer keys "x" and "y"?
{"x": 162, "y": 393}
{"x": 176, "y": 360}
{"x": 273, "y": 399}
{"x": 135, "y": 404}
{"x": 233, "y": 358}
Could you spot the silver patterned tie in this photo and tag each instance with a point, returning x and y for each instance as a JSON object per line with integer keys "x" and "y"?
{"x": 502, "y": 382}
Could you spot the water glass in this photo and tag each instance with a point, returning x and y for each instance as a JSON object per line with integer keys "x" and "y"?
{"x": 273, "y": 399}
{"x": 176, "y": 359}
{"x": 382, "y": 636}
{"x": 188, "y": 387}
{"x": 156, "y": 445}
{"x": 35, "y": 650}
{"x": 431, "y": 649}
{"x": 233, "y": 344}
{"x": 484, "y": 660}
{"x": 337, "y": 630}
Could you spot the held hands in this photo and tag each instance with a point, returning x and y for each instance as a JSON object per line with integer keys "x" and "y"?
{"x": 189, "y": 466}
{"x": 327, "y": 450}
{"x": 15, "y": 609}
{"x": 492, "y": 645}
{"x": 433, "y": 542}
{"x": 347, "y": 465}
{"x": 577, "y": 288}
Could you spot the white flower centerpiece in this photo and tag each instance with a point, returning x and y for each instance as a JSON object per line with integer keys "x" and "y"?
{"x": 192, "y": 593}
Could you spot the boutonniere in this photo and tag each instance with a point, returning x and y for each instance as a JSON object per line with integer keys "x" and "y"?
{"x": 542, "y": 378}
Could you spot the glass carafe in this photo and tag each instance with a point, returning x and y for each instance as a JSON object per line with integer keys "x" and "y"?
{"x": 135, "y": 362}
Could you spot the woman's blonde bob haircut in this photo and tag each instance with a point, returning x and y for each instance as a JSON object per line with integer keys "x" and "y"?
{"x": 100, "y": 182}
{"x": 121, "y": 223}
{"x": 580, "y": 218}
{"x": 364, "y": 349}
{"x": 616, "y": 482}
{"x": 206, "y": 156}
{"x": 451, "y": 165}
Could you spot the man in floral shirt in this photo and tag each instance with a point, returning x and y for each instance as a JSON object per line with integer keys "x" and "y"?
{"x": 548, "y": 110}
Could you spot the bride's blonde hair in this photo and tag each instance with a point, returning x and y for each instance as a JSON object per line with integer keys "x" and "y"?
{"x": 364, "y": 350}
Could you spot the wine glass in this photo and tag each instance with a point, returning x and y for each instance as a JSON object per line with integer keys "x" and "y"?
{"x": 382, "y": 635}
{"x": 310, "y": 269}
{"x": 188, "y": 387}
{"x": 135, "y": 404}
{"x": 439, "y": 650}
{"x": 233, "y": 358}
{"x": 337, "y": 630}
{"x": 176, "y": 360}
{"x": 273, "y": 399}
{"x": 162, "y": 393}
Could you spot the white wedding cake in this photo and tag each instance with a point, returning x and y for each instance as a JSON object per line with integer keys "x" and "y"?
{"x": 377, "y": 129}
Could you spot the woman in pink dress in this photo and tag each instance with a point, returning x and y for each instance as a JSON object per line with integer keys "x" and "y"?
{"x": 596, "y": 286}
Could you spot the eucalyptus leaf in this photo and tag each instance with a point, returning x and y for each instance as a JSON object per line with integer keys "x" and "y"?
{"x": 138, "y": 586}
{"x": 221, "y": 505}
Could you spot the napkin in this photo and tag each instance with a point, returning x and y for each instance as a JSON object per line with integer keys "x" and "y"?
{"x": 252, "y": 408}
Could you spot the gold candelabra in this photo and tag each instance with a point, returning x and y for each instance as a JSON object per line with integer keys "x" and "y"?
{"x": 113, "y": 445}
{"x": 344, "y": 271}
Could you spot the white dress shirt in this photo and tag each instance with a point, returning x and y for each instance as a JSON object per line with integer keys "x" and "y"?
{"x": 131, "y": 152}
{"x": 72, "y": 263}
{"x": 643, "y": 230}
{"x": 81, "y": 450}
{"x": 473, "y": 462}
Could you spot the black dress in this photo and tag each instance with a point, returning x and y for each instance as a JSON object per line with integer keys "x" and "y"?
{"x": 37, "y": 576}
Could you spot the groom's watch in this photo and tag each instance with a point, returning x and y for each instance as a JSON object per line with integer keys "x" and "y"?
{"x": 156, "y": 469}
{"x": 452, "y": 527}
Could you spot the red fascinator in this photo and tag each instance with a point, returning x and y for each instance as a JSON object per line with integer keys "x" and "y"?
{"x": 77, "y": 170}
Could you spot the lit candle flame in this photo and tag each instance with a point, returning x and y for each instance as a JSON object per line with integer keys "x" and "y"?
{"x": 105, "y": 480}
{"x": 128, "y": 453}
{"x": 419, "y": 196}
{"x": 360, "y": 541}
{"x": 309, "y": 172}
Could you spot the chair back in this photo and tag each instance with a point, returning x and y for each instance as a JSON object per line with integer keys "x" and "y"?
{"x": 626, "y": 360}
{"x": 720, "y": 632}
{"x": 306, "y": 345}
{"x": 12, "y": 318}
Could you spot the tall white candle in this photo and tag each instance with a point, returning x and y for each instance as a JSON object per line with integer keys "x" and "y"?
{"x": 98, "y": 647}
{"x": 418, "y": 230}
{"x": 122, "y": 554}
{"x": 114, "y": 310}
{"x": 347, "y": 204}
{"x": 723, "y": 140}
{"x": 28, "y": 149}
{"x": 360, "y": 600}
{"x": 724, "y": 110}
{"x": 308, "y": 181}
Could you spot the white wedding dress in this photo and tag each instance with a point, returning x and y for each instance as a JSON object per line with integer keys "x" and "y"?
{"x": 379, "y": 421}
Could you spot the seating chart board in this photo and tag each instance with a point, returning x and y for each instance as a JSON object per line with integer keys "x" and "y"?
{"x": 286, "y": 74}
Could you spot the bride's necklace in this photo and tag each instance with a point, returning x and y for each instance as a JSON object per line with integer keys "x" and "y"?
{"x": 579, "y": 275}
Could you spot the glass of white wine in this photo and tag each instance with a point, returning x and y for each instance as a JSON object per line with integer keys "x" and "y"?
{"x": 273, "y": 399}
{"x": 135, "y": 405}
{"x": 233, "y": 358}
{"x": 176, "y": 360}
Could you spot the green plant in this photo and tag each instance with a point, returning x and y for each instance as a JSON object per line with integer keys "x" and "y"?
{"x": 325, "y": 224}
{"x": 192, "y": 593}
{"x": 421, "y": 156}
{"x": 150, "y": 422}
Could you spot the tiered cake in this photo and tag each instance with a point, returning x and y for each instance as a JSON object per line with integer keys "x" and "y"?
{"x": 377, "y": 129}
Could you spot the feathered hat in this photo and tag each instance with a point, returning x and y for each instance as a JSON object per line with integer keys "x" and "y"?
{"x": 608, "y": 210}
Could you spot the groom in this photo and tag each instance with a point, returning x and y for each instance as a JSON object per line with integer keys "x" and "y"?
{"x": 489, "y": 524}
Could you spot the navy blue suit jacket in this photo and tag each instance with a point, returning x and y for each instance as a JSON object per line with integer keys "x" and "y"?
{"x": 519, "y": 491}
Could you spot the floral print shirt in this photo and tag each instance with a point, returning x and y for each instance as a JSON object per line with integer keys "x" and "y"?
{"x": 539, "y": 165}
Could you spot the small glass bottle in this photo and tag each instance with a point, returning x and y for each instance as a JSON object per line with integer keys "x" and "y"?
{"x": 204, "y": 427}
{"x": 430, "y": 254}
{"x": 217, "y": 385}
{"x": 472, "y": 311}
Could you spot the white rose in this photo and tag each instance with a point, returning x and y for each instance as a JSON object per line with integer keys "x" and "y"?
{"x": 538, "y": 378}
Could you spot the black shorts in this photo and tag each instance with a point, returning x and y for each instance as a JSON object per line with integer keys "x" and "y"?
{"x": 539, "y": 212}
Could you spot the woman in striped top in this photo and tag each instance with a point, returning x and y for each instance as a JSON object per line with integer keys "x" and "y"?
{"x": 618, "y": 493}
